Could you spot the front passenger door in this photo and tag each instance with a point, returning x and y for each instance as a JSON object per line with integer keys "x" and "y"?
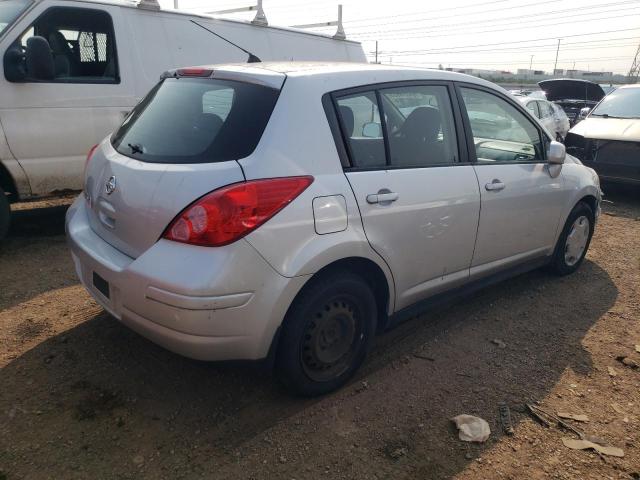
{"x": 521, "y": 198}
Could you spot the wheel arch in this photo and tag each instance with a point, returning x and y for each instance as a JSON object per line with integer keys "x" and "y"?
{"x": 8, "y": 184}
{"x": 590, "y": 200}
{"x": 371, "y": 273}
{"x": 369, "y": 270}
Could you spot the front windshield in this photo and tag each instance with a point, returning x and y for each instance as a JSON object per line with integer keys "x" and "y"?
{"x": 10, "y": 10}
{"x": 621, "y": 103}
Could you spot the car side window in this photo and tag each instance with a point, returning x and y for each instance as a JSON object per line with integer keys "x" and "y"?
{"x": 82, "y": 44}
{"x": 501, "y": 133}
{"x": 545, "y": 110}
{"x": 533, "y": 108}
{"x": 419, "y": 126}
{"x": 360, "y": 122}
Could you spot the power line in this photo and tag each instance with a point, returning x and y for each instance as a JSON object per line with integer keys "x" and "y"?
{"x": 548, "y": 47}
{"x": 547, "y": 15}
{"x": 517, "y": 27}
{"x": 457, "y": 9}
{"x": 395, "y": 52}
{"x": 430, "y": 17}
{"x": 450, "y": 49}
{"x": 522, "y": 61}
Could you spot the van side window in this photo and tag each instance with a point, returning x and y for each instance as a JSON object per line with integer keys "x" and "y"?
{"x": 82, "y": 44}
{"x": 501, "y": 133}
{"x": 361, "y": 127}
{"x": 420, "y": 126}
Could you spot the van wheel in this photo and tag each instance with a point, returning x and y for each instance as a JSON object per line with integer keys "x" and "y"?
{"x": 326, "y": 334}
{"x": 5, "y": 214}
{"x": 574, "y": 241}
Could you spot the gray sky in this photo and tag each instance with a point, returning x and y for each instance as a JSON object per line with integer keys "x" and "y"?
{"x": 599, "y": 35}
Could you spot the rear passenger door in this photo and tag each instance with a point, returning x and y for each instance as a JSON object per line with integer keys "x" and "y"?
{"x": 417, "y": 195}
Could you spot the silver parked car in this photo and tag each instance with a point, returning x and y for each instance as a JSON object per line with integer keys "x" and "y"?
{"x": 292, "y": 210}
{"x": 550, "y": 115}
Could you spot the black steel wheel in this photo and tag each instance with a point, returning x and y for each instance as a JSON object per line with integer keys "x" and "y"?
{"x": 326, "y": 334}
{"x": 331, "y": 339}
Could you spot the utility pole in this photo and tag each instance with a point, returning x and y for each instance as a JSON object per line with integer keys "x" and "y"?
{"x": 531, "y": 62}
{"x": 376, "y": 51}
{"x": 634, "y": 71}
{"x": 556, "y": 63}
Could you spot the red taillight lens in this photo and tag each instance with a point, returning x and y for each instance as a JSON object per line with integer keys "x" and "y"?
{"x": 89, "y": 155}
{"x": 228, "y": 214}
{"x": 194, "y": 72}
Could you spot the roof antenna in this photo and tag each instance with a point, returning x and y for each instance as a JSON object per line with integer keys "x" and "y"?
{"x": 252, "y": 58}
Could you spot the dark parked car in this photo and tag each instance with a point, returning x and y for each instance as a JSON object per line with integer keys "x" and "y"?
{"x": 608, "y": 139}
{"x": 572, "y": 95}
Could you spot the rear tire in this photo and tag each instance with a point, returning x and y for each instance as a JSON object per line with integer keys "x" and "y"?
{"x": 326, "y": 335}
{"x": 574, "y": 240}
{"x": 5, "y": 214}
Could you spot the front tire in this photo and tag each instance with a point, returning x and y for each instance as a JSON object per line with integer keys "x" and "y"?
{"x": 574, "y": 240}
{"x": 326, "y": 334}
{"x": 5, "y": 214}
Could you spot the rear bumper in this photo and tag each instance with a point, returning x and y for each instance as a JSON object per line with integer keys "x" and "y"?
{"x": 205, "y": 303}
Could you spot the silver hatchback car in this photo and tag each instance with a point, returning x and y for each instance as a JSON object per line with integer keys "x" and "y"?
{"x": 290, "y": 211}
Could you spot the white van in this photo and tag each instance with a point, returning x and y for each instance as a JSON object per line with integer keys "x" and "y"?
{"x": 72, "y": 71}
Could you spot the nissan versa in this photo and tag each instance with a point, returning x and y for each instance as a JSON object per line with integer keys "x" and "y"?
{"x": 289, "y": 211}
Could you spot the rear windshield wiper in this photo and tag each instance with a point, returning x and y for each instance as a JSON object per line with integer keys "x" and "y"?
{"x": 135, "y": 148}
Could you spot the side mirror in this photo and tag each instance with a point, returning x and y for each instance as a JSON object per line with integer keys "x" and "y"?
{"x": 372, "y": 130}
{"x": 39, "y": 59}
{"x": 584, "y": 112}
{"x": 15, "y": 69}
{"x": 556, "y": 153}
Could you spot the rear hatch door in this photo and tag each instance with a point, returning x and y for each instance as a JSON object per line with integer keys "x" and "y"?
{"x": 132, "y": 202}
{"x": 180, "y": 143}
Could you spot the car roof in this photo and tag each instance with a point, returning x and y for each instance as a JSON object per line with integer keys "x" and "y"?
{"x": 526, "y": 98}
{"x": 635, "y": 85}
{"x": 351, "y": 73}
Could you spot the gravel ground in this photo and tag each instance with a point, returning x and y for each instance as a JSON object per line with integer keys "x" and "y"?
{"x": 82, "y": 397}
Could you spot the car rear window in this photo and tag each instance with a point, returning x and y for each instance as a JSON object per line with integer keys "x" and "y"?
{"x": 196, "y": 120}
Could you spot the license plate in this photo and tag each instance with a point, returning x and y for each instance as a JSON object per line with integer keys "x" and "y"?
{"x": 101, "y": 285}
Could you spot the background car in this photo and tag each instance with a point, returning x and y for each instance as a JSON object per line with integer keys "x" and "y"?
{"x": 550, "y": 115}
{"x": 608, "y": 139}
{"x": 572, "y": 95}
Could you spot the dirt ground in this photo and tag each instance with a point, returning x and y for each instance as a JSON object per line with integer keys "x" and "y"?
{"x": 82, "y": 397}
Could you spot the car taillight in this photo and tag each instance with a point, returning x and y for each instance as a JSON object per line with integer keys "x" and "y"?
{"x": 229, "y": 213}
{"x": 86, "y": 162}
{"x": 194, "y": 72}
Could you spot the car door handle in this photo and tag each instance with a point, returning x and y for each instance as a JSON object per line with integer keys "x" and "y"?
{"x": 494, "y": 186}
{"x": 383, "y": 197}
